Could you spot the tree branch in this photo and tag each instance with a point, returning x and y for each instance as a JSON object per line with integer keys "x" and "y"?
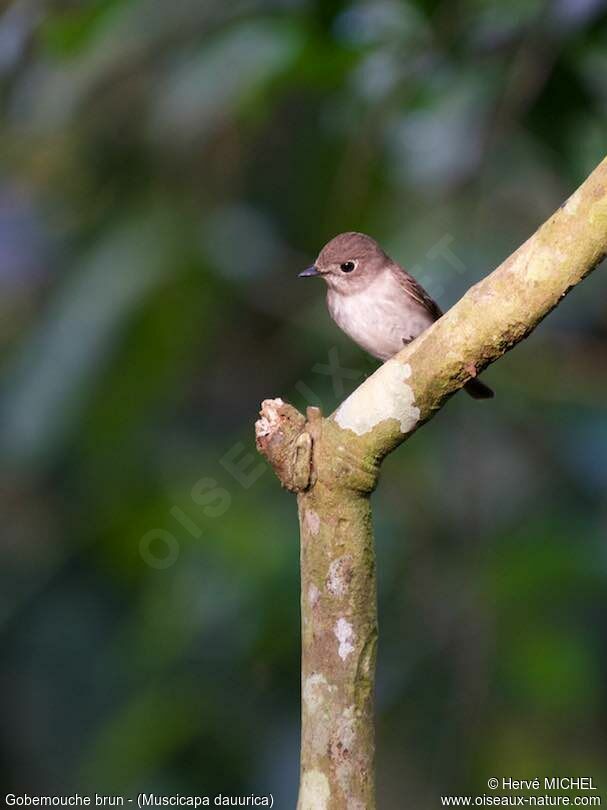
{"x": 491, "y": 318}
{"x": 333, "y": 465}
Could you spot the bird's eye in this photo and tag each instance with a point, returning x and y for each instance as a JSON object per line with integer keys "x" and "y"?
{"x": 347, "y": 267}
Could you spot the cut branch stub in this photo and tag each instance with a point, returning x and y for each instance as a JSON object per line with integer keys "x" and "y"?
{"x": 281, "y": 437}
{"x": 302, "y": 451}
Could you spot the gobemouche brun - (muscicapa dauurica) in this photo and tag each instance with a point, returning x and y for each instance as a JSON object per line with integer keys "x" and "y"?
{"x": 374, "y": 300}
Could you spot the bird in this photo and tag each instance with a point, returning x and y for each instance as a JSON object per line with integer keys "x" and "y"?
{"x": 374, "y": 300}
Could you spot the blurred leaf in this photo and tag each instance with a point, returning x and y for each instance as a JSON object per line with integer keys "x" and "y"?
{"x": 71, "y": 30}
{"x": 205, "y": 87}
{"x": 57, "y": 368}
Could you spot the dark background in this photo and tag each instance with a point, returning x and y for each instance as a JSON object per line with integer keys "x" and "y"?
{"x": 166, "y": 169}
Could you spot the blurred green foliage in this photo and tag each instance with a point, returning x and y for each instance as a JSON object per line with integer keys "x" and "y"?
{"x": 165, "y": 171}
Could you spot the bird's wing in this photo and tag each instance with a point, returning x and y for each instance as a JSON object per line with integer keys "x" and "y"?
{"x": 415, "y": 290}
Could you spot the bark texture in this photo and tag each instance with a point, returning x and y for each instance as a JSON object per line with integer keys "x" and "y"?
{"x": 333, "y": 463}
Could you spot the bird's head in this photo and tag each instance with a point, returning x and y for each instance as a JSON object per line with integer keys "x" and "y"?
{"x": 348, "y": 263}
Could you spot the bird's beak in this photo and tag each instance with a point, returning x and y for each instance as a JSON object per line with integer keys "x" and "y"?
{"x": 309, "y": 272}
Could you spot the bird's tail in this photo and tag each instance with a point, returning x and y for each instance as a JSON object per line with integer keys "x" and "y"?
{"x": 478, "y": 389}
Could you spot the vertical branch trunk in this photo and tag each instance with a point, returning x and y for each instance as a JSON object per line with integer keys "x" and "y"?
{"x": 333, "y": 481}
{"x": 339, "y": 639}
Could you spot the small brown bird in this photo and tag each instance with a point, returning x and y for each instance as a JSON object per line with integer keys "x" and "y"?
{"x": 374, "y": 300}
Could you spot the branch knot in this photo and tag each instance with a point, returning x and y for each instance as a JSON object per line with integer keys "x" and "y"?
{"x": 281, "y": 437}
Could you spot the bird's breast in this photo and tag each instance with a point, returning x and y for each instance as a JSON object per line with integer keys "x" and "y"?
{"x": 381, "y": 318}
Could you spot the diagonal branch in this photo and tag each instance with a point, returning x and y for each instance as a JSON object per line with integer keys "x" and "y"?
{"x": 332, "y": 464}
{"x": 491, "y": 318}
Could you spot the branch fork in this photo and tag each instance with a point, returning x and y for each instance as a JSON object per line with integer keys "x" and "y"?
{"x": 332, "y": 464}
